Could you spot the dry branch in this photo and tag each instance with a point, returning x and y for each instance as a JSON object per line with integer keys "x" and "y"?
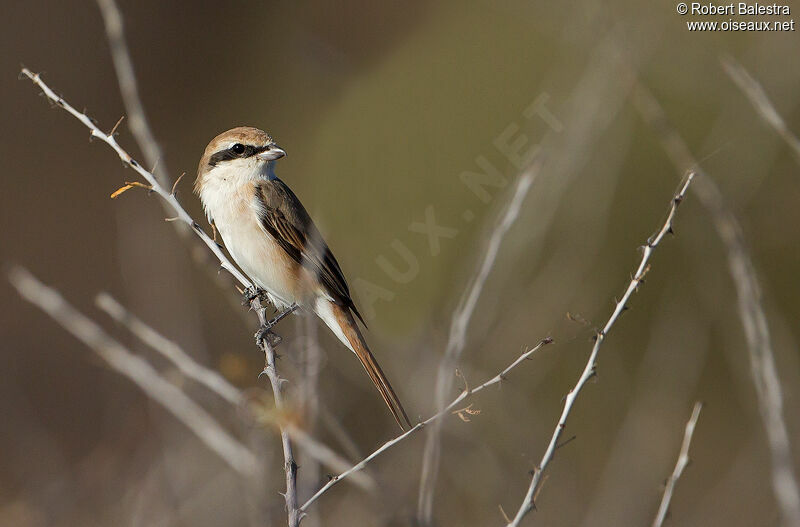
{"x": 589, "y": 370}
{"x": 169, "y": 198}
{"x": 219, "y": 385}
{"x": 457, "y": 340}
{"x": 290, "y": 467}
{"x": 137, "y": 120}
{"x": 170, "y": 350}
{"x": 683, "y": 461}
{"x": 760, "y": 101}
{"x": 751, "y": 311}
{"x": 445, "y": 411}
{"x": 123, "y": 361}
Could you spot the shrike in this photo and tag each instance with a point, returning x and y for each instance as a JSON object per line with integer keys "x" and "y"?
{"x": 273, "y": 239}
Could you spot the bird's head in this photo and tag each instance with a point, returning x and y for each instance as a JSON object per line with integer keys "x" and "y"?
{"x": 238, "y": 155}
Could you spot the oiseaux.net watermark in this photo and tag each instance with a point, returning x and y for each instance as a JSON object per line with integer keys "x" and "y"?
{"x": 741, "y": 16}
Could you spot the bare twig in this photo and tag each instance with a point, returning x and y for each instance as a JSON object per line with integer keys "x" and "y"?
{"x": 751, "y": 311}
{"x": 760, "y": 101}
{"x": 170, "y": 199}
{"x": 445, "y": 411}
{"x": 589, "y": 370}
{"x": 683, "y": 460}
{"x": 123, "y": 361}
{"x": 457, "y": 340}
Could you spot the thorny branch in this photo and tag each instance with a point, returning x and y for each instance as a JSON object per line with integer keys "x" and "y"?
{"x": 155, "y": 186}
{"x": 589, "y": 371}
{"x": 445, "y": 411}
{"x": 295, "y": 515}
{"x": 751, "y": 309}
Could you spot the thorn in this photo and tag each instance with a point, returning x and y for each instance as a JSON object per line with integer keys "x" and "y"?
{"x": 503, "y": 513}
{"x": 114, "y": 130}
{"x": 677, "y": 200}
{"x": 670, "y": 230}
{"x": 567, "y": 441}
{"x": 461, "y": 376}
{"x": 196, "y": 226}
{"x": 174, "y": 185}
{"x": 133, "y": 162}
{"x": 547, "y": 340}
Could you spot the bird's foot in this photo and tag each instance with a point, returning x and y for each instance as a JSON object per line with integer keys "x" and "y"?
{"x": 265, "y": 335}
{"x": 251, "y": 293}
{"x": 280, "y": 316}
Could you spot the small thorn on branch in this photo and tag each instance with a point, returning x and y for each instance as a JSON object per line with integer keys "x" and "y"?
{"x": 114, "y": 129}
{"x": 175, "y": 187}
{"x": 565, "y": 442}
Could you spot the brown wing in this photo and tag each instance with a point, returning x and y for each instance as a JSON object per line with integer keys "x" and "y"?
{"x": 285, "y": 219}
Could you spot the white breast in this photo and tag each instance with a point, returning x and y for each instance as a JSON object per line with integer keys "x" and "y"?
{"x": 232, "y": 207}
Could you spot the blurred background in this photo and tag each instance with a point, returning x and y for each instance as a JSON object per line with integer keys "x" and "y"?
{"x": 382, "y": 107}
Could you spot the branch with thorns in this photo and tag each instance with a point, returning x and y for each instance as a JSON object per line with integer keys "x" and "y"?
{"x": 447, "y": 410}
{"x": 590, "y": 370}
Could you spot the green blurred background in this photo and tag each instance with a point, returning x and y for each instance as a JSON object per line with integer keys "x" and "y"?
{"x": 381, "y": 106}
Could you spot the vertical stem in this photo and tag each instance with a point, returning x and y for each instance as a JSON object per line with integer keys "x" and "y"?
{"x": 290, "y": 466}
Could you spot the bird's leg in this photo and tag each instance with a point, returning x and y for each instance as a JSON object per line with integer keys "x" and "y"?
{"x": 251, "y": 293}
{"x": 280, "y": 316}
{"x": 265, "y": 331}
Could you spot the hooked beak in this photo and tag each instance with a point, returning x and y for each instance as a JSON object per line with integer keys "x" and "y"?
{"x": 272, "y": 153}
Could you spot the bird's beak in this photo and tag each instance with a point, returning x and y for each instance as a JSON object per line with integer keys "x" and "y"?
{"x": 272, "y": 153}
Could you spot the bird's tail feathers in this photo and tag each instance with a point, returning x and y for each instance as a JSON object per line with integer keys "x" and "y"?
{"x": 340, "y": 320}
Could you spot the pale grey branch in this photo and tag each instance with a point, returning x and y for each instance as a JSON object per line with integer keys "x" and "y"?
{"x": 218, "y": 384}
{"x": 683, "y": 461}
{"x": 760, "y": 101}
{"x": 457, "y": 339}
{"x": 169, "y": 198}
{"x": 123, "y": 65}
{"x": 447, "y": 410}
{"x": 589, "y": 370}
{"x": 170, "y": 350}
{"x": 123, "y": 361}
{"x": 751, "y": 311}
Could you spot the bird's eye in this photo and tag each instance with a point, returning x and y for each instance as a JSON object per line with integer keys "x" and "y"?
{"x": 238, "y": 149}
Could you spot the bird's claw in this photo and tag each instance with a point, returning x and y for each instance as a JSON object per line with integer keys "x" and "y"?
{"x": 251, "y": 293}
{"x": 265, "y": 334}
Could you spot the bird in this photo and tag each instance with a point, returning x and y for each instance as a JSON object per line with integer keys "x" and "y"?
{"x": 274, "y": 241}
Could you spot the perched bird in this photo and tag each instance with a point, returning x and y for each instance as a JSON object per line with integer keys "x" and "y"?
{"x": 272, "y": 238}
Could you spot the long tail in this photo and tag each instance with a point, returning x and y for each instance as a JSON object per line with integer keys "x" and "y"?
{"x": 340, "y": 320}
